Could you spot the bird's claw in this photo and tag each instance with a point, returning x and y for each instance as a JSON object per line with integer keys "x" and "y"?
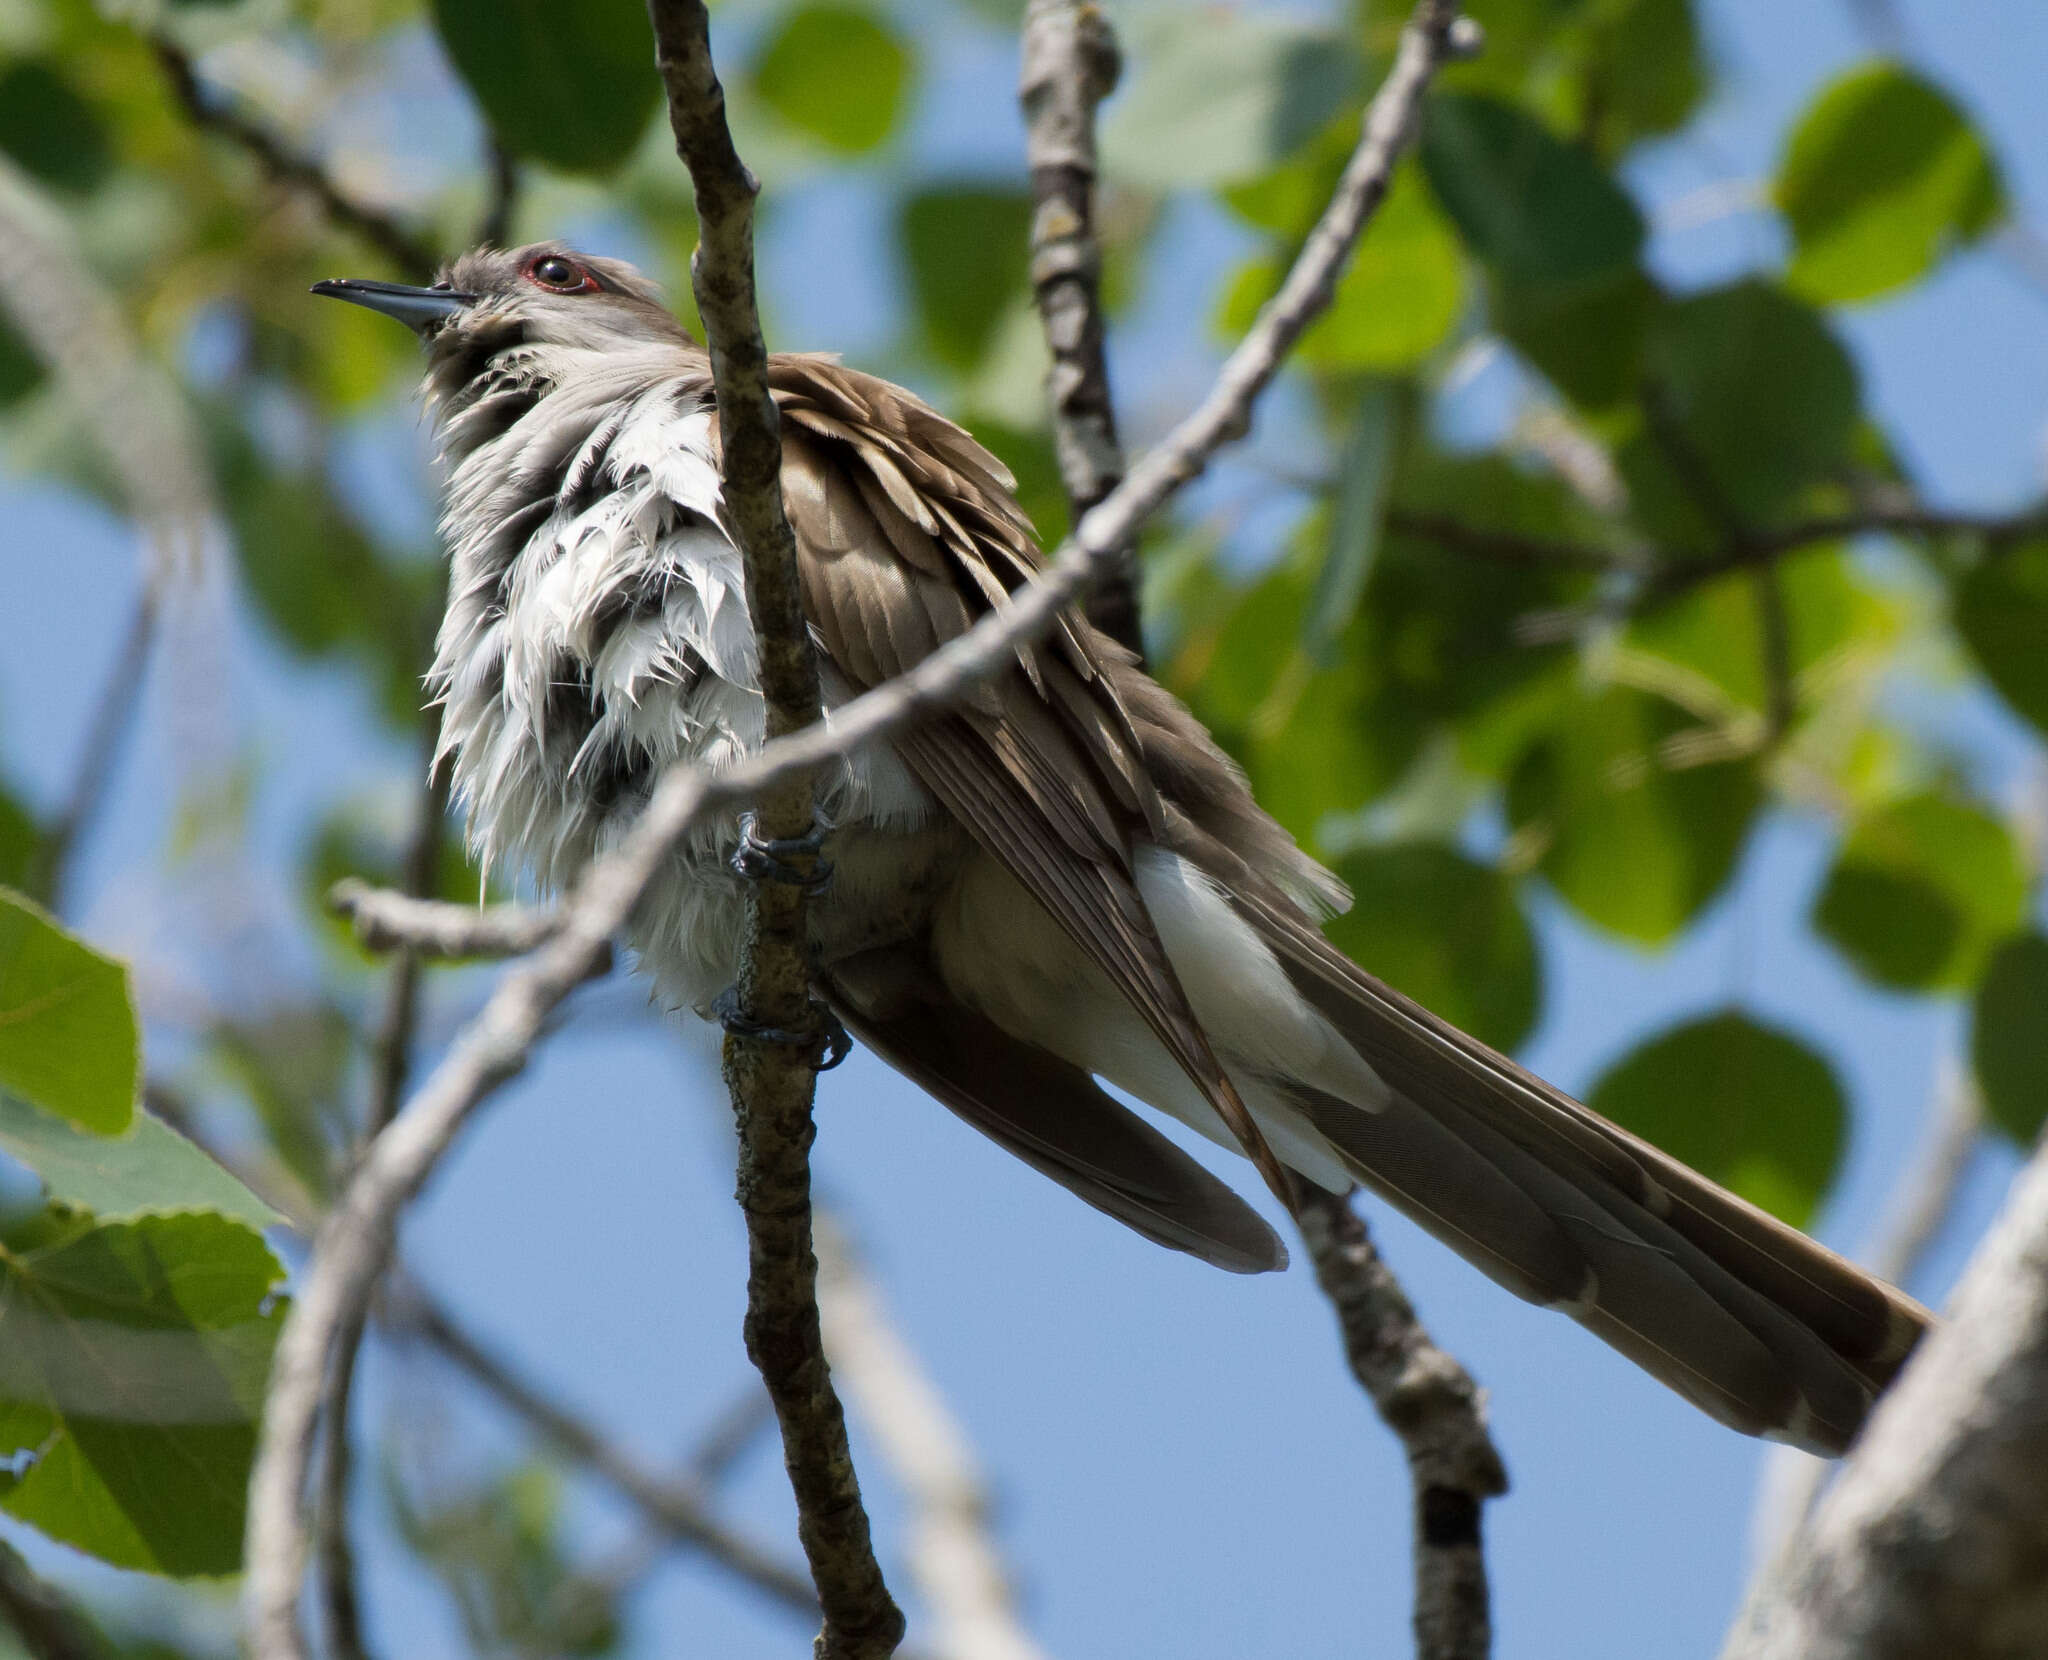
{"x": 826, "y": 1040}
{"x": 766, "y": 859}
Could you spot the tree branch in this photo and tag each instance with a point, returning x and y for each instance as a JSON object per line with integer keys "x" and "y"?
{"x": 390, "y": 1067}
{"x": 1932, "y": 1544}
{"x": 1664, "y": 577}
{"x": 773, "y": 1084}
{"x": 1070, "y": 64}
{"x": 211, "y": 113}
{"x": 680, "y": 1509}
{"x": 1431, "y": 1403}
{"x": 387, "y": 920}
{"x": 952, "y": 1557}
{"x": 355, "y": 1240}
{"x": 113, "y": 715}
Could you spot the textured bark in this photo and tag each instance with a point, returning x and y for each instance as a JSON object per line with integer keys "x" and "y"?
{"x": 1933, "y": 1543}
{"x": 1070, "y": 64}
{"x": 1431, "y": 1403}
{"x": 772, "y": 1084}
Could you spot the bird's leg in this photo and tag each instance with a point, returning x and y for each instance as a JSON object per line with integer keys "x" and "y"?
{"x": 826, "y": 1039}
{"x": 765, "y": 859}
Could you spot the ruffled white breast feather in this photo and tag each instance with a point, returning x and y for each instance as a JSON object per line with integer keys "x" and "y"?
{"x": 575, "y": 664}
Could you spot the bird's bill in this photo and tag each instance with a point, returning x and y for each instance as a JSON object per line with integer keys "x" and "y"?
{"x": 419, "y": 309}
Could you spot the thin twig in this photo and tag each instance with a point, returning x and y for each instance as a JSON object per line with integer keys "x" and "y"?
{"x": 952, "y": 1557}
{"x": 1669, "y": 575}
{"x": 356, "y": 1239}
{"x": 772, "y": 1084}
{"x": 733, "y": 1431}
{"x": 207, "y": 110}
{"x": 41, "y": 1616}
{"x": 386, "y": 920}
{"x": 1774, "y": 637}
{"x": 1431, "y": 1403}
{"x": 113, "y": 715}
{"x": 1070, "y": 64}
{"x": 680, "y": 1509}
{"x": 503, "y": 203}
{"x": 390, "y": 1069}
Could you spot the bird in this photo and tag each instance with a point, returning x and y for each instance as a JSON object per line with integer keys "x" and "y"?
{"x": 1061, "y": 882}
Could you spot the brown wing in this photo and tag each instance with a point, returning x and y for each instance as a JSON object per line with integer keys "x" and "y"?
{"x": 907, "y": 531}
{"x": 1048, "y": 1113}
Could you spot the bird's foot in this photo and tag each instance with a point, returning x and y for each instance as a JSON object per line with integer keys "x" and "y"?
{"x": 766, "y": 859}
{"x": 826, "y": 1040}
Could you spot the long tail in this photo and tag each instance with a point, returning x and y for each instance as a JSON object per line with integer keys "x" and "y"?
{"x": 1749, "y": 1319}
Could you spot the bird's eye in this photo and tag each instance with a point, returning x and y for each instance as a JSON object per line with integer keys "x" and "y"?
{"x": 562, "y": 275}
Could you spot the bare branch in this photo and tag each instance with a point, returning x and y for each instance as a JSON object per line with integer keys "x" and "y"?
{"x": 736, "y": 1428}
{"x": 113, "y": 714}
{"x": 210, "y": 112}
{"x": 772, "y": 1083}
{"x": 1431, "y": 1403}
{"x": 1070, "y": 64}
{"x": 954, "y": 1560}
{"x": 680, "y": 1509}
{"x": 1666, "y": 576}
{"x": 356, "y": 1239}
{"x": 386, "y": 920}
{"x": 390, "y": 1068}
{"x": 503, "y": 203}
{"x": 1931, "y": 1543}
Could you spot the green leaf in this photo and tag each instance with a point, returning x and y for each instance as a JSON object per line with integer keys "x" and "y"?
{"x": 1365, "y": 466}
{"x": 1445, "y": 630}
{"x": 571, "y": 86}
{"x": 835, "y": 73}
{"x": 1447, "y": 931}
{"x": 1640, "y": 71}
{"x": 1541, "y": 212}
{"x": 68, "y": 1041}
{"x": 1631, "y": 827}
{"x": 21, "y": 837}
{"x": 147, "y": 1169}
{"x": 1881, "y": 178}
{"x": 1395, "y": 303}
{"x": 1919, "y": 891}
{"x": 1222, "y": 101}
{"x": 291, "y": 1064}
{"x": 2009, "y": 1037}
{"x": 1713, "y": 635}
{"x": 500, "y": 1548}
{"x": 1762, "y": 391}
{"x": 1751, "y": 1107}
{"x": 965, "y": 252}
{"x": 2001, "y": 611}
{"x": 136, "y": 1354}
{"x": 21, "y": 371}
{"x": 54, "y": 134}
{"x": 1586, "y": 341}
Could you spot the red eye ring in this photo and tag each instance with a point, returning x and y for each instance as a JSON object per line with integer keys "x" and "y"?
{"x": 559, "y": 274}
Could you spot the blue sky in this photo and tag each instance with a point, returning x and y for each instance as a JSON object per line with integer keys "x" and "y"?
{"x": 1180, "y": 1463}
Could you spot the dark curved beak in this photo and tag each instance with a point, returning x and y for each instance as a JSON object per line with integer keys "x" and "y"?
{"x": 419, "y": 309}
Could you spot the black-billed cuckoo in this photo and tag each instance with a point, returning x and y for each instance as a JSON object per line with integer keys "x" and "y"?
{"x": 1062, "y": 879}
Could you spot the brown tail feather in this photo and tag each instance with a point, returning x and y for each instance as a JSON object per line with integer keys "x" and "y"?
{"x": 1762, "y": 1327}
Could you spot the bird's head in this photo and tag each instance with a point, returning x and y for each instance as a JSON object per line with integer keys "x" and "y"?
{"x": 492, "y": 300}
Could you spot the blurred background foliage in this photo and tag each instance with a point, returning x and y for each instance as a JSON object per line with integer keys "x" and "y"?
{"x": 1686, "y": 584}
